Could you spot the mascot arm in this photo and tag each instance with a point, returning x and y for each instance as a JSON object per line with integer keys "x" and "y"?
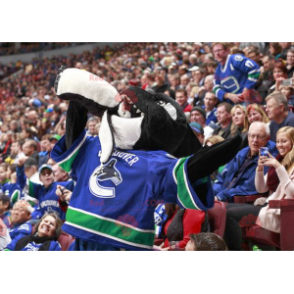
{"x": 208, "y": 159}
{"x": 76, "y": 121}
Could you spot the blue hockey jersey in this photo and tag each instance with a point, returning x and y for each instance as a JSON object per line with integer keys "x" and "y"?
{"x": 20, "y": 230}
{"x": 238, "y": 73}
{"x": 47, "y": 198}
{"x": 32, "y": 246}
{"x": 11, "y": 190}
{"x": 114, "y": 204}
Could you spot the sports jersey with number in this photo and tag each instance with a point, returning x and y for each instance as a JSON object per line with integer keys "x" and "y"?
{"x": 238, "y": 73}
{"x": 114, "y": 204}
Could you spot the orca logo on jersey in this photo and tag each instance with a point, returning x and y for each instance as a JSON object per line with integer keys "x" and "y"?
{"x": 105, "y": 173}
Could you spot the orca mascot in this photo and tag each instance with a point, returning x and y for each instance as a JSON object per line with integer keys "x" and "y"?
{"x": 145, "y": 154}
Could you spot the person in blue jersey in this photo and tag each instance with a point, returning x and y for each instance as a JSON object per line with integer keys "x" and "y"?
{"x": 47, "y": 230}
{"x": 235, "y": 77}
{"x": 48, "y": 201}
{"x": 118, "y": 181}
{"x": 11, "y": 189}
{"x": 20, "y": 216}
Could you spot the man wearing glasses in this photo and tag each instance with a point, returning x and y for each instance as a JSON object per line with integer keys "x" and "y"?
{"x": 238, "y": 176}
{"x": 235, "y": 76}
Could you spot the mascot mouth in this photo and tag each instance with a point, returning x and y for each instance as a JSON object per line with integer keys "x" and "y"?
{"x": 133, "y": 119}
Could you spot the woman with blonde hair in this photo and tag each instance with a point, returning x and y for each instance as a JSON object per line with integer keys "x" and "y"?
{"x": 238, "y": 114}
{"x": 254, "y": 112}
{"x": 279, "y": 180}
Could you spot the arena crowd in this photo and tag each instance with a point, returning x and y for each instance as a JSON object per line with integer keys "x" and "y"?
{"x": 225, "y": 89}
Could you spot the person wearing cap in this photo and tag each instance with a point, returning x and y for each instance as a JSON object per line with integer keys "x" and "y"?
{"x": 48, "y": 201}
{"x": 53, "y": 140}
{"x": 198, "y": 115}
{"x": 5, "y": 207}
{"x": 20, "y": 216}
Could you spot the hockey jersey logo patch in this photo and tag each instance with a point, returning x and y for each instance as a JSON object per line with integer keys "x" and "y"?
{"x": 107, "y": 172}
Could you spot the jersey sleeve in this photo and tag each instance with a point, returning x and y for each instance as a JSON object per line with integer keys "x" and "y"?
{"x": 248, "y": 66}
{"x": 217, "y": 88}
{"x": 13, "y": 190}
{"x": 24, "y": 229}
{"x": 11, "y": 246}
{"x": 55, "y": 246}
{"x": 66, "y": 158}
{"x": 171, "y": 184}
{"x": 20, "y": 176}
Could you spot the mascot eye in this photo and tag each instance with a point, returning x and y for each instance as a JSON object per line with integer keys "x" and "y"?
{"x": 160, "y": 103}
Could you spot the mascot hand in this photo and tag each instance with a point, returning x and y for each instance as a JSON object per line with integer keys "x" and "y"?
{"x": 208, "y": 159}
{"x": 76, "y": 120}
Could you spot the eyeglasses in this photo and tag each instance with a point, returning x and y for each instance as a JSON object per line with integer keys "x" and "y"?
{"x": 257, "y": 137}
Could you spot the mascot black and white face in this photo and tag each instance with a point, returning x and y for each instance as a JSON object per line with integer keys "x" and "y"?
{"x": 133, "y": 119}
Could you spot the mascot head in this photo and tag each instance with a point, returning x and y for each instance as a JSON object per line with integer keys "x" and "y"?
{"x": 133, "y": 119}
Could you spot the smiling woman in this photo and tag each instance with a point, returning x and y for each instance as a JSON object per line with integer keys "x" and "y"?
{"x": 48, "y": 230}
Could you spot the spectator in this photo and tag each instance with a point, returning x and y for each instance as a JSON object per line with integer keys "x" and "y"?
{"x": 161, "y": 85}
{"x": 207, "y": 87}
{"x": 278, "y": 112}
{"x": 4, "y": 235}
{"x": 20, "y": 216}
{"x": 5, "y": 207}
{"x": 60, "y": 175}
{"x": 210, "y": 102}
{"x": 27, "y": 172}
{"x": 92, "y": 126}
{"x": 48, "y": 230}
{"x": 259, "y": 45}
{"x": 238, "y": 119}
{"x": 198, "y": 115}
{"x": 11, "y": 189}
{"x": 280, "y": 73}
{"x": 29, "y": 149}
{"x": 290, "y": 63}
{"x": 288, "y": 91}
{"x": 179, "y": 225}
{"x": 280, "y": 175}
{"x": 267, "y": 75}
{"x": 182, "y": 100}
{"x": 286, "y": 46}
{"x": 254, "y": 112}
{"x": 275, "y": 49}
{"x": 15, "y": 153}
{"x": 206, "y": 242}
{"x": 45, "y": 149}
{"x": 224, "y": 120}
{"x": 45, "y": 193}
{"x": 238, "y": 176}
{"x": 234, "y": 75}
{"x": 53, "y": 140}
